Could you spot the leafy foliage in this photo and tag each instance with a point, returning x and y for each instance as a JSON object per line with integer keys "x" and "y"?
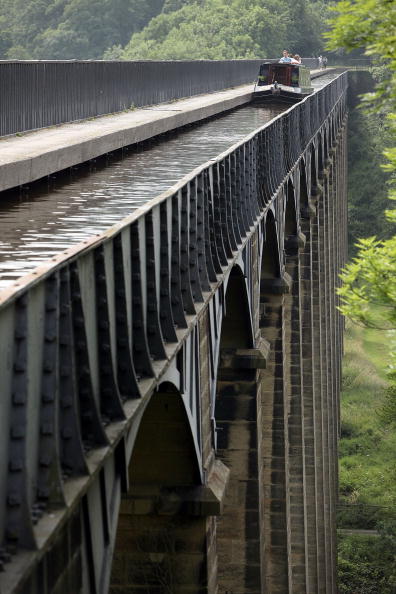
{"x": 388, "y": 412}
{"x": 368, "y": 24}
{"x": 159, "y": 29}
{"x": 368, "y": 294}
{"x": 367, "y": 178}
{"x": 370, "y": 279}
{"x": 63, "y": 29}
{"x": 366, "y": 564}
{"x": 172, "y": 29}
{"x": 217, "y": 29}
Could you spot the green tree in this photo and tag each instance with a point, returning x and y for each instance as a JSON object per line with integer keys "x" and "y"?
{"x": 220, "y": 29}
{"x": 368, "y": 294}
{"x": 369, "y": 25}
{"x": 89, "y": 27}
{"x": 173, "y": 5}
{"x": 366, "y": 564}
{"x": 306, "y": 25}
{"x": 24, "y": 21}
{"x": 369, "y": 284}
{"x": 65, "y": 29}
{"x": 367, "y": 180}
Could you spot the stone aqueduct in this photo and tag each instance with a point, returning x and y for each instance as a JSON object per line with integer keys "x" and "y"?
{"x": 170, "y": 389}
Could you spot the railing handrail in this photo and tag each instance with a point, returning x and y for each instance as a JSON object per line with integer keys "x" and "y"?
{"x": 43, "y": 270}
{"x": 36, "y": 94}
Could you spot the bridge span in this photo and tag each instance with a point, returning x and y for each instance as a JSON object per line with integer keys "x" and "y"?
{"x": 169, "y": 390}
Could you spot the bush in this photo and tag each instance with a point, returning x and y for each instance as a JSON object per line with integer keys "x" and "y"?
{"x": 358, "y": 516}
{"x": 366, "y": 564}
{"x": 348, "y": 429}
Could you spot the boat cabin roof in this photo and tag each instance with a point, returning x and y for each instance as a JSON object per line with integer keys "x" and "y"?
{"x": 294, "y": 75}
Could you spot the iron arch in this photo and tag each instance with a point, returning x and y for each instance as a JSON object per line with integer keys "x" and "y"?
{"x": 164, "y": 451}
{"x": 236, "y": 331}
{"x": 304, "y": 197}
{"x": 314, "y": 175}
{"x": 290, "y": 220}
{"x": 270, "y": 261}
{"x": 320, "y": 155}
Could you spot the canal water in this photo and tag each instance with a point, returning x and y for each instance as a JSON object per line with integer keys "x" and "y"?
{"x": 39, "y": 222}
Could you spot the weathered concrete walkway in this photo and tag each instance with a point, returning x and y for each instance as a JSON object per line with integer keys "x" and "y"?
{"x": 31, "y": 156}
{"x": 36, "y": 154}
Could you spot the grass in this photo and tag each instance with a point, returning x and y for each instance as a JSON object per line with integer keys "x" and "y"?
{"x": 367, "y": 445}
{"x": 366, "y": 564}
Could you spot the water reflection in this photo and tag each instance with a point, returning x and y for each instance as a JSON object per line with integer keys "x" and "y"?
{"x": 48, "y": 218}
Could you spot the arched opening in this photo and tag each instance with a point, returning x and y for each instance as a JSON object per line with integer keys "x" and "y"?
{"x": 320, "y": 156}
{"x": 290, "y": 214}
{"x": 273, "y": 516}
{"x": 270, "y": 268}
{"x": 314, "y": 175}
{"x": 306, "y": 207}
{"x": 293, "y": 238}
{"x": 161, "y": 535}
{"x": 238, "y": 527}
{"x": 164, "y": 452}
{"x": 236, "y": 331}
{"x": 326, "y": 146}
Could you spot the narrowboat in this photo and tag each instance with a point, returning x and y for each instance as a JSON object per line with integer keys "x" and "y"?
{"x": 283, "y": 82}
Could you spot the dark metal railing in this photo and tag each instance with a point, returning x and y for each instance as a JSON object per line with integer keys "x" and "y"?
{"x": 335, "y": 60}
{"x": 39, "y": 94}
{"x": 312, "y": 63}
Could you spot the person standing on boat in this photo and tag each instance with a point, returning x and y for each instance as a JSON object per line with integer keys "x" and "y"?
{"x": 285, "y": 59}
{"x": 296, "y": 59}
